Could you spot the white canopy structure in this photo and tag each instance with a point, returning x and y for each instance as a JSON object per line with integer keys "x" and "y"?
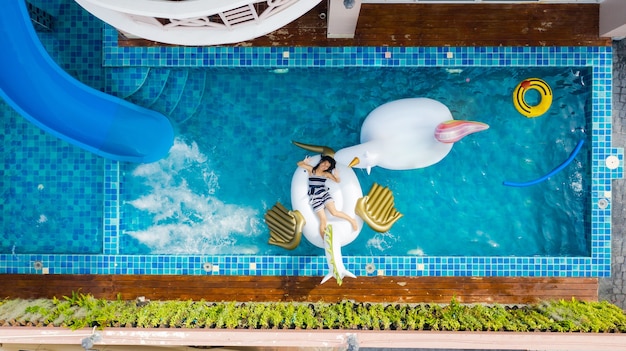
{"x": 198, "y": 22}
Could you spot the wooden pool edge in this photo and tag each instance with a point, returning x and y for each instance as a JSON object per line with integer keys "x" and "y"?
{"x": 380, "y": 289}
{"x": 423, "y": 25}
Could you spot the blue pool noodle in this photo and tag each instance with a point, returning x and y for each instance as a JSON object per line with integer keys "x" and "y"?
{"x": 553, "y": 172}
{"x": 37, "y": 88}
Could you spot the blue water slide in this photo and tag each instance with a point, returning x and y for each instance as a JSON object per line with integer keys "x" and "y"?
{"x": 35, "y": 86}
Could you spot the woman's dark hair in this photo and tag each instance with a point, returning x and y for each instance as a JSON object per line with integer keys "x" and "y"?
{"x": 330, "y": 160}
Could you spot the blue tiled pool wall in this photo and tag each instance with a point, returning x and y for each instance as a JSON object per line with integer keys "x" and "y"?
{"x": 38, "y": 167}
{"x": 75, "y": 41}
{"x": 588, "y": 196}
{"x": 131, "y": 62}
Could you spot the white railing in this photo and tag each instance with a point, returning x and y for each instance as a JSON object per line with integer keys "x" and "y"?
{"x": 198, "y": 22}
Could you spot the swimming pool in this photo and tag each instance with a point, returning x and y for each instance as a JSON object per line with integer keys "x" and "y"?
{"x": 591, "y": 261}
{"x": 233, "y": 160}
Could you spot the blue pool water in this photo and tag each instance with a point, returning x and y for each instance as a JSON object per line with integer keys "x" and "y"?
{"x": 234, "y": 159}
{"x": 39, "y": 172}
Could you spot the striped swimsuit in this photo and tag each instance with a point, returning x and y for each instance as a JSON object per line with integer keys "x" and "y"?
{"x": 318, "y": 192}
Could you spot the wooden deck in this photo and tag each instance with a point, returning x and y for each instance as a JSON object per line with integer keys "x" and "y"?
{"x": 445, "y": 25}
{"x": 263, "y": 288}
{"x": 379, "y": 25}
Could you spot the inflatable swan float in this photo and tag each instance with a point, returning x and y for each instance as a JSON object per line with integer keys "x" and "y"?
{"x": 399, "y": 135}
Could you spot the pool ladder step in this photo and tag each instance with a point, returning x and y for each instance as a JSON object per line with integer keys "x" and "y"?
{"x": 172, "y": 91}
{"x": 191, "y": 97}
{"x": 151, "y": 88}
{"x": 125, "y": 81}
{"x": 177, "y": 93}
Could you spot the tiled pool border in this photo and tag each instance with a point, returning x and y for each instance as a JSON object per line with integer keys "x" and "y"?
{"x": 596, "y": 265}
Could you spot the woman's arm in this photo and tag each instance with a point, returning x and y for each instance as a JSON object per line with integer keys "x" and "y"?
{"x": 334, "y": 175}
{"x": 305, "y": 164}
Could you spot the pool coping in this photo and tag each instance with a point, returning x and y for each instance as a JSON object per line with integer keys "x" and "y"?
{"x": 596, "y": 265}
{"x": 338, "y": 339}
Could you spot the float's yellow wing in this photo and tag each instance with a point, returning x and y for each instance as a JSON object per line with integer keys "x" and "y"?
{"x": 285, "y": 226}
{"x": 377, "y": 209}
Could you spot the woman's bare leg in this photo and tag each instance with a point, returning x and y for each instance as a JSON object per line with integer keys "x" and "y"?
{"x": 322, "y": 216}
{"x": 330, "y": 205}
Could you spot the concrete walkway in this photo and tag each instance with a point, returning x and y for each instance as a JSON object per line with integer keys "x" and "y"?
{"x": 613, "y": 289}
{"x": 160, "y": 339}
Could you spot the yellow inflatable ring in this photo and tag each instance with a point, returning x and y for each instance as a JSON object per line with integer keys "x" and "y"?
{"x": 520, "y": 102}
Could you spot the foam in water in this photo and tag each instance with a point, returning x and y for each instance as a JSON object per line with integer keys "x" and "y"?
{"x": 381, "y": 241}
{"x": 416, "y": 252}
{"x": 576, "y": 183}
{"x": 188, "y": 217}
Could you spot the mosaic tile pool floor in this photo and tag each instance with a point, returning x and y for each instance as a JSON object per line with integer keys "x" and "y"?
{"x": 127, "y": 63}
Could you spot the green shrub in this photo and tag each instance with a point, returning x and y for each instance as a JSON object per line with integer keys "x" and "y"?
{"x": 83, "y": 310}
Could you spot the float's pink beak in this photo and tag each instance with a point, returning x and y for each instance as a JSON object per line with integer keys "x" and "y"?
{"x": 452, "y": 131}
